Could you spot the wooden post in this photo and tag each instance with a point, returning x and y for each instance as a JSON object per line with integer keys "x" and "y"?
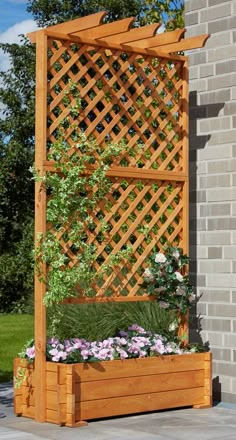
{"x": 184, "y": 325}
{"x": 40, "y": 223}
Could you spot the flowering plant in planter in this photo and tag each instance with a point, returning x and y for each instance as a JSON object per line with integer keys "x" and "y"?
{"x": 164, "y": 278}
{"x": 135, "y": 342}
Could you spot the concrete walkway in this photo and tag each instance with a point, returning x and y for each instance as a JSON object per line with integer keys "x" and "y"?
{"x": 218, "y": 423}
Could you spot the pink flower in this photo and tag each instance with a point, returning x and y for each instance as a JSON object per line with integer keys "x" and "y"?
{"x": 148, "y": 275}
{"x": 30, "y": 352}
{"x": 136, "y": 328}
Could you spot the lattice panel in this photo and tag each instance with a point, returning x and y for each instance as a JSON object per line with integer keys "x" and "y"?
{"x": 123, "y": 96}
{"x": 140, "y": 213}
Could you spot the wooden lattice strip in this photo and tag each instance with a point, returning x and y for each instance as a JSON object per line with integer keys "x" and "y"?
{"x": 133, "y": 228}
{"x": 140, "y": 258}
{"x": 150, "y": 247}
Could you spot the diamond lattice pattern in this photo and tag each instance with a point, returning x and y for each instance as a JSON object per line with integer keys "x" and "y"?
{"x": 123, "y": 96}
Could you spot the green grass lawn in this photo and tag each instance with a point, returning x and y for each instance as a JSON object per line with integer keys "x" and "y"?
{"x": 15, "y": 331}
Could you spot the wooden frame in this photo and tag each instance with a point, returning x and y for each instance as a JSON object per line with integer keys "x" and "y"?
{"x": 80, "y": 392}
{"x": 131, "y": 88}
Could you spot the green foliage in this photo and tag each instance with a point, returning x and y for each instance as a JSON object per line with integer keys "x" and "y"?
{"x": 74, "y": 196}
{"x": 163, "y": 278}
{"x": 100, "y": 321}
{"x": 14, "y": 331}
{"x": 17, "y": 98}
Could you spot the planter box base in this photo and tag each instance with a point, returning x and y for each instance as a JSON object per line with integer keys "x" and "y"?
{"x": 79, "y": 392}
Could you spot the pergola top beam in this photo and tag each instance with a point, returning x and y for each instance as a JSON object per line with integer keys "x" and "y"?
{"x": 118, "y": 35}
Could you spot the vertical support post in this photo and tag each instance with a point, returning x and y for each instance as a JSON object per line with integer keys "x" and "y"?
{"x": 40, "y": 224}
{"x": 184, "y": 324}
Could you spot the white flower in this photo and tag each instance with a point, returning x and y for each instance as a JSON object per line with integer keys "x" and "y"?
{"x": 163, "y": 305}
{"x": 176, "y": 255}
{"x": 179, "y": 276}
{"x": 160, "y": 258}
{"x": 180, "y": 291}
{"x": 148, "y": 275}
{"x": 173, "y": 326}
{"x": 192, "y": 297}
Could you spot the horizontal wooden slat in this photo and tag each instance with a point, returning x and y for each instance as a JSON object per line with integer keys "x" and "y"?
{"x": 130, "y": 172}
{"x": 138, "y": 367}
{"x": 159, "y": 39}
{"x": 104, "y": 389}
{"x": 186, "y": 44}
{"x": 141, "y": 403}
{"x": 74, "y": 25}
{"x": 106, "y": 30}
{"x": 134, "y": 35}
{"x": 102, "y": 43}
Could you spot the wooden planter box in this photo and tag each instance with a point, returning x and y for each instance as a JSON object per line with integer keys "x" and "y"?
{"x": 80, "y": 392}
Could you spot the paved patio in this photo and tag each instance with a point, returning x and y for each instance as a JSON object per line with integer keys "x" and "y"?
{"x": 218, "y": 422}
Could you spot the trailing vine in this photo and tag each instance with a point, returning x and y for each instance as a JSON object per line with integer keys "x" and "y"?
{"x": 75, "y": 189}
{"x": 74, "y": 193}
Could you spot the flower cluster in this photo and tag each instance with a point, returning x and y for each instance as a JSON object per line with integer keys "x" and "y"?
{"x": 164, "y": 278}
{"x": 133, "y": 343}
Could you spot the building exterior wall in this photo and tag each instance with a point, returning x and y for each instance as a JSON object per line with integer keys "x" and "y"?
{"x": 213, "y": 184}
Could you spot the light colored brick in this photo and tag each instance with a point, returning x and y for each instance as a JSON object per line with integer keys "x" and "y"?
{"x": 216, "y": 296}
{"x": 222, "y": 25}
{"x": 221, "y": 180}
{"x": 233, "y": 208}
{"x": 192, "y": 5}
{"x": 221, "y": 81}
{"x": 224, "y": 194}
{"x": 215, "y": 238}
{"x": 221, "y": 166}
{"x": 222, "y": 280}
{"x": 198, "y": 84}
{"x": 233, "y": 237}
{"x": 214, "y": 124}
{"x": 230, "y": 340}
{"x": 218, "y": 54}
{"x": 198, "y": 58}
{"x": 233, "y": 91}
{"x": 219, "y": 40}
{"x": 215, "y": 338}
{"x": 217, "y": 2}
{"x": 215, "y": 266}
{"x": 222, "y": 137}
{"x": 216, "y": 152}
{"x": 222, "y": 68}
{"x": 230, "y": 108}
{"x": 191, "y": 18}
{"x": 221, "y": 224}
{"x": 229, "y": 252}
{"x": 221, "y": 354}
{"x": 211, "y": 210}
{"x": 193, "y": 73}
{"x": 213, "y": 13}
{"x": 214, "y": 252}
{"x": 196, "y": 29}
{"x": 207, "y": 70}
{"x": 215, "y": 97}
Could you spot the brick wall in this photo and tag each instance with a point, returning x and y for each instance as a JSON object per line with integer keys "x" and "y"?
{"x": 213, "y": 184}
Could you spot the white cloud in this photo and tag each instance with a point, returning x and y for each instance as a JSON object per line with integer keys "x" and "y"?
{"x": 11, "y": 35}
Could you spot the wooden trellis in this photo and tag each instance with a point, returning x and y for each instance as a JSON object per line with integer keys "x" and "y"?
{"x": 131, "y": 88}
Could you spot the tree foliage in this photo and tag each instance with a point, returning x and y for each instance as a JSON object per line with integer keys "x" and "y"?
{"x": 17, "y": 130}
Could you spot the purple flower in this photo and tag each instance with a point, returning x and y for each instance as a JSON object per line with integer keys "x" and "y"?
{"x": 136, "y": 328}
{"x": 30, "y": 352}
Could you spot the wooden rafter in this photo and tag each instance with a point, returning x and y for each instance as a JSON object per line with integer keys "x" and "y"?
{"x": 119, "y": 34}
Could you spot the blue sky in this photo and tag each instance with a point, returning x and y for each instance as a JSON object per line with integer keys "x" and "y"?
{"x": 12, "y": 12}
{"x": 14, "y": 20}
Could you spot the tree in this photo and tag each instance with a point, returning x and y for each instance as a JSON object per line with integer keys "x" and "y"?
{"x": 17, "y": 131}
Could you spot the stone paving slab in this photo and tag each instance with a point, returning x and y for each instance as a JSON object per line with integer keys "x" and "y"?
{"x": 217, "y": 423}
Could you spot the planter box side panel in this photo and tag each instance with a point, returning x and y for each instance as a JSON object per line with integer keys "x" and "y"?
{"x": 88, "y": 391}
